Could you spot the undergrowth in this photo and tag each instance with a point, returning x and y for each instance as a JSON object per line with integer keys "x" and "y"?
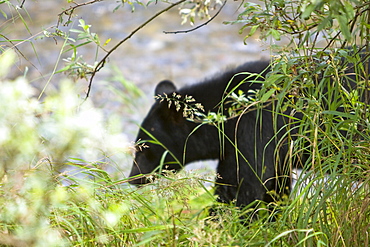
{"x": 48, "y": 199}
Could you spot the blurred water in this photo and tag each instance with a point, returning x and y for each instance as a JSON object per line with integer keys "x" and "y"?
{"x": 148, "y": 56}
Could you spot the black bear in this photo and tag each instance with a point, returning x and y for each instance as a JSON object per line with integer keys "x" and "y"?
{"x": 251, "y": 149}
{"x": 249, "y": 165}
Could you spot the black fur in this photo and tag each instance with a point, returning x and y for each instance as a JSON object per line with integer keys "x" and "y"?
{"x": 238, "y": 180}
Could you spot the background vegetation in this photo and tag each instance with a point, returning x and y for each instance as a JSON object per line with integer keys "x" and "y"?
{"x": 59, "y": 186}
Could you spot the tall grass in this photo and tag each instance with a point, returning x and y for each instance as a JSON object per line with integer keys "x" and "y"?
{"x": 331, "y": 206}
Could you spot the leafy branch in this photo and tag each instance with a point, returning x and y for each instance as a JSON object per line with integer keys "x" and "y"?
{"x": 197, "y": 27}
{"x": 70, "y": 10}
{"x": 102, "y": 62}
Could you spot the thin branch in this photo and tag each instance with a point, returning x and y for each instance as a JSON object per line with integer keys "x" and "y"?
{"x": 14, "y": 46}
{"x": 197, "y": 27}
{"x": 103, "y": 61}
{"x": 21, "y": 6}
{"x": 70, "y": 10}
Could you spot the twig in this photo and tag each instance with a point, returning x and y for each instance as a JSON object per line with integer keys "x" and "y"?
{"x": 197, "y": 27}
{"x": 70, "y": 10}
{"x": 21, "y": 6}
{"x": 102, "y": 61}
{"x": 14, "y": 46}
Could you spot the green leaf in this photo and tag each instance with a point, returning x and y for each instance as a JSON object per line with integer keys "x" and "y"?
{"x": 307, "y": 11}
{"x": 350, "y": 12}
{"x": 343, "y": 25}
{"x": 253, "y": 30}
{"x": 341, "y": 114}
{"x": 275, "y": 34}
{"x": 267, "y": 95}
{"x": 274, "y": 79}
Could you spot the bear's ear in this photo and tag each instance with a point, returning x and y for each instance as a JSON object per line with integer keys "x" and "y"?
{"x": 166, "y": 87}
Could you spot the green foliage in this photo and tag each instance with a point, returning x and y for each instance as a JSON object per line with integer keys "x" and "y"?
{"x": 334, "y": 131}
{"x": 186, "y": 104}
{"x": 307, "y": 21}
{"x": 36, "y": 139}
{"x": 190, "y": 10}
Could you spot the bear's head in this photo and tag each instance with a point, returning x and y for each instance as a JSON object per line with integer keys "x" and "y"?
{"x": 162, "y": 136}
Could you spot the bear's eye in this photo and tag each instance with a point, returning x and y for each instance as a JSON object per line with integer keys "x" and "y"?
{"x": 152, "y": 129}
